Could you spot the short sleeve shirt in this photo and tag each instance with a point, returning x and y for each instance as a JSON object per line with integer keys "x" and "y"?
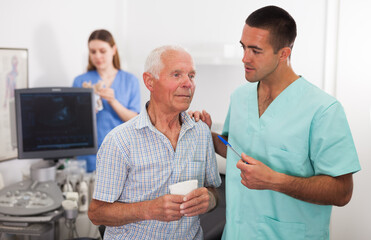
{"x": 136, "y": 163}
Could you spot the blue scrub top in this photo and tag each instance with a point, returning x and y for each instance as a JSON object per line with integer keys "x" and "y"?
{"x": 304, "y": 132}
{"x": 127, "y": 92}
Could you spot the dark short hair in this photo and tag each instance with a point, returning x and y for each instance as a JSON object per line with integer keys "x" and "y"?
{"x": 280, "y": 24}
{"x": 104, "y": 35}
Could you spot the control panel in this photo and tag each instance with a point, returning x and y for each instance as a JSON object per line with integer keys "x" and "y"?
{"x": 30, "y": 198}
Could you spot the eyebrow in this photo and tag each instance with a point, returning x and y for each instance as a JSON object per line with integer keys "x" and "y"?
{"x": 177, "y": 70}
{"x": 252, "y": 46}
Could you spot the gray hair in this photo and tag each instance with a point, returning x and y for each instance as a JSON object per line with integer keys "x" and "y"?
{"x": 154, "y": 63}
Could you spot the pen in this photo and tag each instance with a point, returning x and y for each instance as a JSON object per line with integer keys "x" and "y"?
{"x": 230, "y": 146}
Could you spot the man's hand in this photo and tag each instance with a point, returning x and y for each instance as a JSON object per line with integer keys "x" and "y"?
{"x": 166, "y": 208}
{"x": 197, "y": 202}
{"x": 204, "y": 116}
{"x": 319, "y": 189}
{"x": 255, "y": 174}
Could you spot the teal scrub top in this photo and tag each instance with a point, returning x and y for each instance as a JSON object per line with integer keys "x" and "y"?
{"x": 304, "y": 132}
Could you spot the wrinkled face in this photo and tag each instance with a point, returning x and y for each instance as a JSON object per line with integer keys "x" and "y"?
{"x": 175, "y": 87}
{"x": 259, "y": 59}
{"x": 101, "y": 54}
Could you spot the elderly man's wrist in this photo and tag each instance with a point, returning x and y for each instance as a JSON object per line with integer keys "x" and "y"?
{"x": 212, "y": 201}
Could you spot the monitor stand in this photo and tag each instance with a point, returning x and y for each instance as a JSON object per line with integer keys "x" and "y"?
{"x": 44, "y": 171}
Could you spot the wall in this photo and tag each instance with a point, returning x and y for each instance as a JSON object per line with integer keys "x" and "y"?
{"x": 211, "y": 31}
{"x": 353, "y": 89}
{"x": 55, "y": 32}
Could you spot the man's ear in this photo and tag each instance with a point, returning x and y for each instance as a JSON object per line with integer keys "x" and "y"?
{"x": 285, "y": 53}
{"x": 148, "y": 81}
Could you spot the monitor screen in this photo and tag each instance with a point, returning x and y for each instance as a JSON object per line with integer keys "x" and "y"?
{"x": 55, "y": 123}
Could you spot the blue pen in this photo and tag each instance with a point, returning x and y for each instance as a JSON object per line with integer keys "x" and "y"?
{"x": 230, "y": 146}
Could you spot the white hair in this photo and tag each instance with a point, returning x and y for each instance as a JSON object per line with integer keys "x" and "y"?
{"x": 154, "y": 62}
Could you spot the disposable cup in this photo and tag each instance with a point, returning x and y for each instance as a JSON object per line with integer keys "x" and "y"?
{"x": 183, "y": 188}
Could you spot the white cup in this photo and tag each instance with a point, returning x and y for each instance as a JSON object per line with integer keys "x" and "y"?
{"x": 183, "y": 188}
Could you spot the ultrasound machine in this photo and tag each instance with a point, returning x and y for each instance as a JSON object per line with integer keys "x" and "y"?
{"x": 52, "y": 124}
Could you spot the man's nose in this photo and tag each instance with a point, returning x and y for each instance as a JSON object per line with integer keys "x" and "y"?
{"x": 246, "y": 56}
{"x": 187, "y": 82}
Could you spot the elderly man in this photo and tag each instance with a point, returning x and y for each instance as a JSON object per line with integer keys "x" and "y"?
{"x": 139, "y": 159}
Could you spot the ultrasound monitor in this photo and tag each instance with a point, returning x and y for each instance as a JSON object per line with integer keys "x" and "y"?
{"x": 54, "y": 123}
{"x": 51, "y": 123}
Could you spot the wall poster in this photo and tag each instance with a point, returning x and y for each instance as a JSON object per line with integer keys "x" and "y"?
{"x": 13, "y": 74}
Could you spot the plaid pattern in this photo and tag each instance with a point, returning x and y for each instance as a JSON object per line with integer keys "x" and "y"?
{"x": 136, "y": 163}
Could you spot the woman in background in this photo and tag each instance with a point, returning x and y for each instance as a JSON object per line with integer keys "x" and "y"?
{"x": 118, "y": 91}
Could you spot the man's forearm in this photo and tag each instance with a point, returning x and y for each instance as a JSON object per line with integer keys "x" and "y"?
{"x": 117, "y": 213}
{"x": 322, "y": 190}
{"x": 220, "y": 147}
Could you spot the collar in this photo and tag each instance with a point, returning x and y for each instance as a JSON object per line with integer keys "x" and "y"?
{"x": 144, "y": 120}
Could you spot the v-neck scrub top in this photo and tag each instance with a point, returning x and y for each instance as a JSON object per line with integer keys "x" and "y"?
{"x": 127, "y": 92}
{"x": 304, "y": 132}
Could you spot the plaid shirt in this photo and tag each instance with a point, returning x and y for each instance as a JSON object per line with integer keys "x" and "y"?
{"x": 136, "y": 162}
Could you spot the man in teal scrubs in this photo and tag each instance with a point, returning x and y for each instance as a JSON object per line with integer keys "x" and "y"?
{"x": 294, "y": 137}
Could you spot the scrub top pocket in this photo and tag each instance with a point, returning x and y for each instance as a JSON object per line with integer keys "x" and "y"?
{"x": 289, "y": 162}
{"x": 271, "y": 229}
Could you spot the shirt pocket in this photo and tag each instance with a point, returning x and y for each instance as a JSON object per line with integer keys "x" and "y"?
{"x": 194, "y": 170}
{"x": 148, "y": 175}
{"x": 289, "y": 162}
{"x": 273, "y": 229}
